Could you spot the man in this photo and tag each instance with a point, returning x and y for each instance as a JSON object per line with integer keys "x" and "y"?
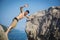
{"x": 19, "y": 17}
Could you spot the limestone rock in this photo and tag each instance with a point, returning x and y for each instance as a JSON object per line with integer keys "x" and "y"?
{"x": 2, "y": 34}
{"x": 44, "y": 24}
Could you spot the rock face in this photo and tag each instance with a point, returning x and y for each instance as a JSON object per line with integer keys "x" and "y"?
{"x": 2, "y": 33}
{"x": 44, "y": 25}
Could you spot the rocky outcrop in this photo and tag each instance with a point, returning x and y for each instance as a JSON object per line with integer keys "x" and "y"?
{"x": 3, "y": 36}
{"x": 44, "y": 25}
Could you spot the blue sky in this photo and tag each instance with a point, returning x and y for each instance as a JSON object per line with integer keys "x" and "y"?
{"x": 10, "y": 9}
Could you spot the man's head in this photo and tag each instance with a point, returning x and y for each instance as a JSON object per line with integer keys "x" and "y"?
{"x": 26, "y": 12}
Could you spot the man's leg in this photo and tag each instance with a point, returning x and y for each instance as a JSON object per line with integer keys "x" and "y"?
{"x": 13, "y": 24}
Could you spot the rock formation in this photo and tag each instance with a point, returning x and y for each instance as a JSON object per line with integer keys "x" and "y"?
{"x": 44, "y": 25}
{"x": 2, "y": 33}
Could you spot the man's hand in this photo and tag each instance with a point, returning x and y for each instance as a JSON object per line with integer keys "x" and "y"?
{"x": 29, "y": 17}
{"x": 26, "y": 5}
{"x": 21, "y": 8}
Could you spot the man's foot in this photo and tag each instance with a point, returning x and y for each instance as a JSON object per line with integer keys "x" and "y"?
{"x": 6, "y": 33}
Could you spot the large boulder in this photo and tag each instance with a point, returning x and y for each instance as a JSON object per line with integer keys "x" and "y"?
{"x": 44, "y": 25}
{"x": 3, "y": 36}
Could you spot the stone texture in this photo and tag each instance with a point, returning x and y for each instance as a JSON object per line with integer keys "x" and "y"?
{"x": 44, "y": 25}
{"x": 2, "y": 33}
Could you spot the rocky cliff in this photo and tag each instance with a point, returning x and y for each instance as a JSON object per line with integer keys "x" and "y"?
{"x": 44, "y": 25}
{"x": 3, "y": 36}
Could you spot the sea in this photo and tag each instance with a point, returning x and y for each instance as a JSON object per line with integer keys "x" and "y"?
{"x": 17, "y": 35}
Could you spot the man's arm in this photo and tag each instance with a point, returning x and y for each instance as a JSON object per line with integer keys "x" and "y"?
{"x": 21, "y": 8}
{"x": 29, "y": 17}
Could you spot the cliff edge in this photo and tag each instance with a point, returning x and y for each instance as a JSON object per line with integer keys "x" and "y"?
{"x": 44, "y": 25}
{"x": 2, "y": 33}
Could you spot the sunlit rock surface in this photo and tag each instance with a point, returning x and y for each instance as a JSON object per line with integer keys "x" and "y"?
{"x": 2, "y": 33}
{"x": 44, "y": 25}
